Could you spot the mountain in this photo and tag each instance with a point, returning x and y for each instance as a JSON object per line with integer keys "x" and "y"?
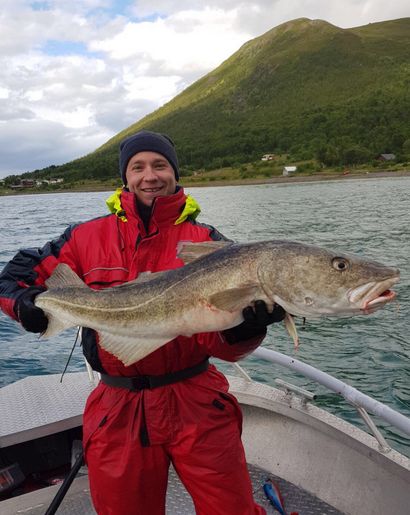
{"x": 306, "y": 87}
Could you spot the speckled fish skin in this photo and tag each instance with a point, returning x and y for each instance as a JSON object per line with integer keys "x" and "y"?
{"x": 211, "y": 290}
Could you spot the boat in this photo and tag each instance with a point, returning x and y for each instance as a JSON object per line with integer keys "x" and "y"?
{"x": 320, "y": 463}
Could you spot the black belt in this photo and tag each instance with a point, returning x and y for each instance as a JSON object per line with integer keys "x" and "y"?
{"x": 148, "y": 382}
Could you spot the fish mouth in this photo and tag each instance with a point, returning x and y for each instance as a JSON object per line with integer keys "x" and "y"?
{"x": 373, "y": 295}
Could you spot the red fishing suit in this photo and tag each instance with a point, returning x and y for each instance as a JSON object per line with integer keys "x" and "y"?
{"x": 131, "y": 437}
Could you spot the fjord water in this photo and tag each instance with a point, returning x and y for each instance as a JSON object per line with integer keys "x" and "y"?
{"x": 370, "y": 217}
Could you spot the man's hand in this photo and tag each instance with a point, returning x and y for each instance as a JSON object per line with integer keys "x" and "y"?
{"x": 259, "y": 316}
{"x": 31, "y": 318}
{"x": 256, "y": 319}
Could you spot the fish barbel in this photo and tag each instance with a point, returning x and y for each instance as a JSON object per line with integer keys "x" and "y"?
{"x": 209, "y": 293}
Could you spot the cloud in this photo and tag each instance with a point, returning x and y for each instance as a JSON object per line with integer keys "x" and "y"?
{"x": 266, "y": 14}
{"x": 24, "y": 28}
{"x": 43, "y": 142}
{"x": 162, "y": 43}
{"x": 76, "y": 73}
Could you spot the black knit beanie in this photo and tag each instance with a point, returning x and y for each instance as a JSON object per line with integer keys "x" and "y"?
{"x": 149, "y": 142}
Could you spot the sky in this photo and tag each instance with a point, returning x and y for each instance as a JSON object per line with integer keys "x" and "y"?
{"x": 75, "y": 73}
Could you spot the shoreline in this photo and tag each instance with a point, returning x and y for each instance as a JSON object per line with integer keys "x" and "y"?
{"x": 300, "y": 179}
{"x": 319, "y": 177}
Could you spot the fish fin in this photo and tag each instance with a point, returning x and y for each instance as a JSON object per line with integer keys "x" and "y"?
{"x": 189, "y": 251}
{"x": 55, "y": 325}
{"x": 63, "y": 275}
{"x": 234, "y": 298}
{"x": 291, "y": 329}
{"x": 129, "y": 349}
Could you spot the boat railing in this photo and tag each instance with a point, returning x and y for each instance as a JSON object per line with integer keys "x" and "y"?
{"x": 361, "y": 402}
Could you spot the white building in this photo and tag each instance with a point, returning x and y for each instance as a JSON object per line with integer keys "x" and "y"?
{"x": 289, "y": 170}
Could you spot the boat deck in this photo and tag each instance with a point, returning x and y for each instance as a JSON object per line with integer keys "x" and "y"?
{"x": 38, "y": 406}
{"x": 78, "y": 502}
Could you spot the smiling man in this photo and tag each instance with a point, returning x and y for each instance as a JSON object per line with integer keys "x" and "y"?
{"x": 172, "y": 406}
{"x": 149, "y": 166}
{"x": 150, "y": 175}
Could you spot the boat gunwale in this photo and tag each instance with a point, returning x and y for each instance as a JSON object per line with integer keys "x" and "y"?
{"x": 267, "y": 397}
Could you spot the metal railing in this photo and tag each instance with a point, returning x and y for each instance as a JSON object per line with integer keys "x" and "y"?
{"x": 362, "y": 402}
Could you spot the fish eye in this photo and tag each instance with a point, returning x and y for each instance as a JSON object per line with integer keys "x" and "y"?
{"x": 340, "y": 264}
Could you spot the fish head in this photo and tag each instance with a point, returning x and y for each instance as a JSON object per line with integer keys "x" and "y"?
{"x": 310, "y": 281}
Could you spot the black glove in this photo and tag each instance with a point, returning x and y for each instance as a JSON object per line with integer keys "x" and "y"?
{"x": 256, "y": 320}
{"x": 31, "y": 318}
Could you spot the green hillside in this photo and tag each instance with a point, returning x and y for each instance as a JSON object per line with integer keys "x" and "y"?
{"x": 306, "y": 88}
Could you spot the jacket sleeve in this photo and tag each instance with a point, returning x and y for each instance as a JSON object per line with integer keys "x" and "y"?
{"x": 33, "y": 266}
{"x": 219, "y": 347}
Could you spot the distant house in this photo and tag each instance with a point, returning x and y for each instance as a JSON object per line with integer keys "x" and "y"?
{"x": 268, "y": 157}
{"x": 24, "y": 183}
{"x": 387, "y": 157}
{"x": 289, "y": 170}
{"x": 27, "y": 183}
{"x": 49, "y": 181}
{"x": 52, "y": 181}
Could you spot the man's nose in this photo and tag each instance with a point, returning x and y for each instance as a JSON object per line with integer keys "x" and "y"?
{"x": 150, "y": 174}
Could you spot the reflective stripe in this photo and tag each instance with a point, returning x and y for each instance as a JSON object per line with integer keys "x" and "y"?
{"x": 105, "y": 268}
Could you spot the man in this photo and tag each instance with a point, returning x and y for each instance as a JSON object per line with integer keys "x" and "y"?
{"x": 171, "y": 406}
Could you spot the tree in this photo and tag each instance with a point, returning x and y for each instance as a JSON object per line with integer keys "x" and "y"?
{"x": 355, "y": 155}
{"x": 406, "y": 148}
{"x": 328, "y": 155}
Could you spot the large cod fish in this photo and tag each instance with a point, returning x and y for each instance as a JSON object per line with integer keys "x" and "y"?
{"x": 211, "y": 290}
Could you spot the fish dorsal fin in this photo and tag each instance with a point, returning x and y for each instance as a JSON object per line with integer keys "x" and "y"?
{"x": 63, "y": 275}
{"x": 189, "y": 251}
{"x": 130, "y": 349}
{"x": 234, "y": 298}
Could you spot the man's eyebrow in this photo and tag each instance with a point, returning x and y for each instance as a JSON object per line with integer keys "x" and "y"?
{"x": 156, "y": 160}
